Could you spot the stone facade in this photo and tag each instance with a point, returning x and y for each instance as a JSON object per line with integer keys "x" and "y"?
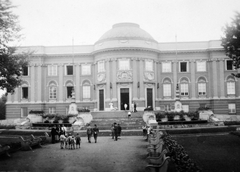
{"x": 127, "y": 65}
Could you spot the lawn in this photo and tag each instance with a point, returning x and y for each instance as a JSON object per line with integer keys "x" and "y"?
{"x": 212, "y": 153}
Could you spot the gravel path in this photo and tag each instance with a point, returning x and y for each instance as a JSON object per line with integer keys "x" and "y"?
{"x": 128, "y": 154}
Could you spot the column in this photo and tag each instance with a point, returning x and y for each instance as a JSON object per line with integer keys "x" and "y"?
{"x": 215, "y": 80}
{"x": 32, "y": 81}
{"x": 93, "y": 82}
{"x": 175, "y": 82}
{"x": 221, "y": 84}
{"x": 135, "y": 71}
{"x": 160, "y": 79}
{"x": 114, "y": 81}
{"x": 77, "y": 84}
{"x": 141, "y": 75}
{"x": 108, "y": 80}
{"x": 60, "y": 85}
{"x": 39, "y": 83}
{"x": 193, "y": 79}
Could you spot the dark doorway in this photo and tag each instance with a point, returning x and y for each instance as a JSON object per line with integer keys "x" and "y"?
{"x": 124, "y": 94}
{"x": 101, "y": 99}
{"x": 149, "y": 97}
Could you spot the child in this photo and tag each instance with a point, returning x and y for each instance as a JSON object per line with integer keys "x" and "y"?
{"x": 66, "y": 141}
{"x": 78, "y": 140}
{"x": 62, "y": 140}
{"x": 69, "y": 141}
{"x": 73, "y": 142}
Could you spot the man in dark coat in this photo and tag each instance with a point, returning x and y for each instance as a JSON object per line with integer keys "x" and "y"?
{"x": 53, "y": 134}
{"x": 95, "y": 132}
{"x": 115, "y": 131}
{"x": 119, "y": 130}
{"x": 89, "y": 133}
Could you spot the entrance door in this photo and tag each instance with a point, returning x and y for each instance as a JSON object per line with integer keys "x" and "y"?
{"x": 124, "y": 94}
{"x": 101, "y": 99}
{"x": 149, "y": 97}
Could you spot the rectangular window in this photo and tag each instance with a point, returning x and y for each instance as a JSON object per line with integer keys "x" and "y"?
{"x": 101, "y": 66}
{"x": 166, "y": 90}
{"x": 201, "y": 89}
{"x": 25, "y": 71}
{"x": 69, "y": 70}
{"x": 52, "y": 110}
{"x": 52, "y": 70}
{"x": 183, "y": 66}
{"x": 166, "y": 67}
{"x": 229, "y": 65}
{"x": 185, "y": 108}
{"x": 184, "y": 89}
{"x": 149, "y": 65}
{"x": 86, "y": 69}
{"x": 232, "y": 108}
{"x": 25, "y": 92}
{"x": 52, "y": 93}
{"x": 124, "y": 64}
{"x": 69, "y": 91}
{"x": 201, "y": 66}
{"x": 230, "y": 87}
{"x": 86, "y": 92}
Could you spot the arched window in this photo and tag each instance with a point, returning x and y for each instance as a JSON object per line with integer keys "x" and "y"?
{"x": 69, "y": 89}
{"x": 52, "y": 90}
{"x": 167, "y": 88}
{"x": 86, "y": 90}
{"x": 202, "y": 91}
{"x": 231, "y": 86}
{"x": 184, "y": 91}
{"x": 25, "y": 90}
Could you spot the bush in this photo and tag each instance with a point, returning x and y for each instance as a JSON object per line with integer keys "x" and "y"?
{"x": 39, "y": 112}
{"x": 83, "y": 110}
{"x": 160, "y": 116}
{"x": 170, "y": 116}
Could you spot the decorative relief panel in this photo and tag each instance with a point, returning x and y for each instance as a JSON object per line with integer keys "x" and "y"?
{"x": 124, "y": 75}
{"x": 101, "y": 77}
{"x": 149, "y": 76}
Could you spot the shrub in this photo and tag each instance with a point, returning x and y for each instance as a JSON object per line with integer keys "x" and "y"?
{"x": 160, "y": 115}
{"x": 83, "y": 110}
{"x": 170, "y": 116}
{"x": 38, "y": 112}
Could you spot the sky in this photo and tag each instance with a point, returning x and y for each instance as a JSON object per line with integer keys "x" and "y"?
{"x": 59, "y": 22}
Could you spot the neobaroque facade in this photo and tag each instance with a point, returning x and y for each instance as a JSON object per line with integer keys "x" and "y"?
{"x": 127, "y": 65}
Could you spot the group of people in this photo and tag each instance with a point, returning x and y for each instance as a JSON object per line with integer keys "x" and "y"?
{"x": 116, "y": 131}
{"x": 70, "y": 141}
{"x": 92, "y": 132}
{"x": 56, "y": 131}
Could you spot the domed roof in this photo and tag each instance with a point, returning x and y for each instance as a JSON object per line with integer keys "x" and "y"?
{"x": 126, "y": 31}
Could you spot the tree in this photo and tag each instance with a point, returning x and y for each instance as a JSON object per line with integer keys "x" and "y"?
{"x": 9, "y": 27}
{"x": 3, "y": 101}
{"x": 231, "y": 42}
{"x": 11, "y": 64}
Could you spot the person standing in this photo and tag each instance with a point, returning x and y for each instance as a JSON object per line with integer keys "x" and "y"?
{"x": 112, "y": 129}
{"x": 89, "y": 133}
{"x": 125, "y": 106}
{"x": 95, "y": 132}
{"x": 132, "y": 106}
{"x": 115, "y": 131}
{"x": 119, "y": 130}
{"x": 135, "y": 107}
{"x": 53, "y": 134}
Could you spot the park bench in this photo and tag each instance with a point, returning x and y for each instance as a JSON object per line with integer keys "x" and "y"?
{"x": 161, "y": 165}
{"x": 4, "y": 150}
{"x": 153, "y": 149}
{"x": 28, "y": 144}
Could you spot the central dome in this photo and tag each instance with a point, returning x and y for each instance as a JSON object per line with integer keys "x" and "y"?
{"x": 126, "y": 31}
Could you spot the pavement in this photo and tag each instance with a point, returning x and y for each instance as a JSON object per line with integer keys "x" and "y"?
{"x": 128, "y": 154}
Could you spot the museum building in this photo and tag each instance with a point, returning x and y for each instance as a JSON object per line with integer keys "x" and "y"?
{"x": 127, "y": 65}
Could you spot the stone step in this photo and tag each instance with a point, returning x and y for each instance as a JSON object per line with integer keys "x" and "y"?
{"x": 115, "y": 114}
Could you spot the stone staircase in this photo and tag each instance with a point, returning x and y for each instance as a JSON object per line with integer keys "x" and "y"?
{"x": 104, "y": 120}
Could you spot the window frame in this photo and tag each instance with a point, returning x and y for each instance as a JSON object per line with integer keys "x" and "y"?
{"x": 67, "y": 91}
{"x": 226, "y": 65}
{"x": 86, "y": 95}
{"x": 232, "y": 110}
{"x": 85, "y": 72}
{"x": 52, "y": 70}
{"x": 231, "y": 91}
{"x": 23, "y": 71}
{"x": 187, "y": 66}
{"x": 53, "y": 95}
{"x": 101, "y": 68}
{"x": 121, "y": 67}
{"x": 205, "y": 66}
{"x": 52, "y": 110}
{"x": 25, "y": 92}
{"x": 169, "y": 89}
{"x": 184, "y": 94}
{"x": 149, "y": 65}
{"x": 167, "y": 70}
{"x": 202, "y": 91}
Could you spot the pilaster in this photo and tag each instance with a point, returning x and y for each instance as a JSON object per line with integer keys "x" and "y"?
{"x": 221, "y": 84}
{"x": 39, "y": 83}
{"x": 193, "y": 79}
{"x": 215, "y": 80}
{"x": 141, "y": 75}
{"x": 175, "y": 68}
{"x": 77, "y": 79}
{"x": 32, "y": 88}
{"x": 60, "y": 87}
{"x": 135, "y": 76}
